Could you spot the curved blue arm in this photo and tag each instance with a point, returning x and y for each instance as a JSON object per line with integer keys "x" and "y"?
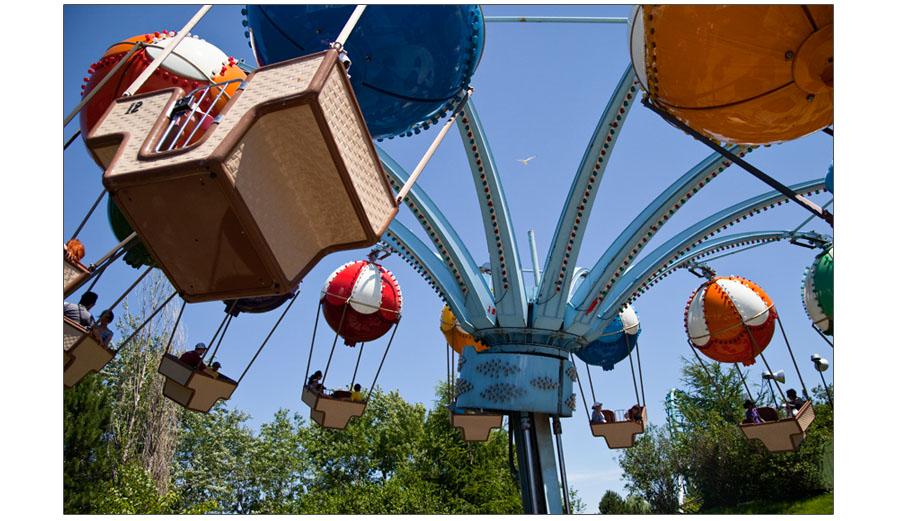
{"x": 478, "y": 299}
{"x": 633, "y": 238}
{"x": 430, "y": 267}
{"x": 551, "y": 299}
{"x": 663, "y": 256}
{"x": 506, "y": 271}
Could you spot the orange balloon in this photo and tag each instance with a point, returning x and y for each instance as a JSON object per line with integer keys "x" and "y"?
{"x": 749, "y": 74}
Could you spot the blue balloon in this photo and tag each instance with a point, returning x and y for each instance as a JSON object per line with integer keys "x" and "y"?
{"x": 611, "y": 348}
{"x": 829, "y": 180}
{"x": 410, "y": 65}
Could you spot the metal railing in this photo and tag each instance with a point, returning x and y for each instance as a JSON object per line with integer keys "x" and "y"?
{"x": 188, "y": 115}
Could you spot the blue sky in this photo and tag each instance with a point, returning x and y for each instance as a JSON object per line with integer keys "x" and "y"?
{"x": 539, "y": 89}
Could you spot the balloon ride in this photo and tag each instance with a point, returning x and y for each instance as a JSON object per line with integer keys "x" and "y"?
{"x": 236, "y": 183}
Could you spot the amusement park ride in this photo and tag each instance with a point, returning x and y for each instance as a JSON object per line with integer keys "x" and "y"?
{"x": 236, "y": 181}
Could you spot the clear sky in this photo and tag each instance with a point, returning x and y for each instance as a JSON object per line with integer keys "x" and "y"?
{"x": 539, "y": 90}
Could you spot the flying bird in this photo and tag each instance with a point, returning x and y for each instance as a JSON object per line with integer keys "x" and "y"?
{"x": 525, "y": 161}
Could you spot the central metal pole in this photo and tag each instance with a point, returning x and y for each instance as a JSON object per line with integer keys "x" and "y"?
{"x": 557, "y": 432}
{"x": 527, "y": 471}
{"x": 532, "y": 242}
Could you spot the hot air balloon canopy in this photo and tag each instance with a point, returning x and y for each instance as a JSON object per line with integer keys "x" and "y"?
{"x": 818, "y": 292}
{"x": 136, "y": 254}
{"x": 730, "y": 319}
{"x": 410, "y": 63}
{"x": 829, "y": 180}
{"x": 456, "y": 336}
{"x": 618, "y": 339}
{"x": 752, "y": 74}
{"x": 194, "y": 63}
{"x": 361, "y": 301}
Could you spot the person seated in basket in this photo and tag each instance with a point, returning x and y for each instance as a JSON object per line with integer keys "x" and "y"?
{"x": 751, "y": 414}
{"x": 100, "y": 330}
{"x": 195, "y": 358}
{"x": 634, "y": 414}
{"x": 357, "y": 395}
{"x": 81, "y": 312}
{"x": 793, "y": 403}
{"x": 213, "y": 370}
{"x": 597, "y": 415}
{"x": 314, "y": 383}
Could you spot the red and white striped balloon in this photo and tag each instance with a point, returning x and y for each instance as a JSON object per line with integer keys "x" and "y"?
{"x": 361, "y": 301}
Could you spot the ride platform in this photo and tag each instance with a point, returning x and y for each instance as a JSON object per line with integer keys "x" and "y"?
{"x": 193, "y": 389}
{"x": 82, "y": 353}
{"x": 332, "y": 413}
{"x": 619, "y": 434}
{"x": 286, "y": 174}
{"x": 780, "y": 435}
{"x": 475, "y": 426}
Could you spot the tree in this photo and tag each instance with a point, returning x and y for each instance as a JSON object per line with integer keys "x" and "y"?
{"x": 88, "y": 462}
{"x": 612, "y": 503}
{"x": 651, "y": 468}
{"x": 144, "y": 422}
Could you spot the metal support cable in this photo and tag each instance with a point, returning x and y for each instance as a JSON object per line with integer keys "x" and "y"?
{"x": 175, "y": 327}
{"x": 769, "y": 368}
{"x": 744, "y": 381}
{"x": 827, "y": 392}
{"x": 71, "y": 139}
{"x": 590, "y": 381}
{"x": 705, "y": 369}
{"x": 312, "y": 343}
{"x": 637, "y": 348}
{"x": 794, "y": 360}
{"x": 734, "y": 158}
{"x": 557, "y": 432}
{"x": 334, "y": 343}
{"x": 356, "y": 367}
{"x": 97, "y": 273}
{"x": 215, "y": 350}
{"x": 218, "y": 330}
{"x": 633, "y": 377}
{"x": 88, "y": 215}
{"x": 580, "y": 389}
{"x": 825, "y": 338}
{"x": 383, "y": 357}
{"x": 133, "y": 285}
{"x": 266, "y": 340}
{"x": 146, "y": 321}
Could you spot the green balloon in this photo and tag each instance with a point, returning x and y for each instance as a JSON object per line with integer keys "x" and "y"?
{"x": 136, "y": 253}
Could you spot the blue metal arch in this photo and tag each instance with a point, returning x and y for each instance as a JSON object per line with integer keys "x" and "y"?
{"x": 663, "y": 256}
{"x": 478, "y": 299}
{"x": 550, "y": 303}
{"x": 633, "y": 238}
{"x": 506, "y": 271}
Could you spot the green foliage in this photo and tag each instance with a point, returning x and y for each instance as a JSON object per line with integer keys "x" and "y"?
{"x": 88, "y": 463}
{"x": 134, "y": 492}
{"x": 822, "y": 504}
{"x": 720, "y": 466}
{"x": 612, "y": 503}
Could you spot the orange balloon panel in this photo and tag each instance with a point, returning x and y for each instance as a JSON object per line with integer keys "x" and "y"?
{"x": 455, "y": 335}
{"x": 193, "y": 64}
{"x": 730, "y": 319}
{"x": 751, "y": 74}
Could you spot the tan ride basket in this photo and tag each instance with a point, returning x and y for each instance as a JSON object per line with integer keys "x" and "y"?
{"x": 74, "y": 275}
{"x": 476, "y": 426}
{"x": 332, "y": 413}
{"x": 193, "y": 389}
{"x": 619, "y": 434}
{"x": 286, "y": 174}
{"x": 82, "y": 353}
{"x": 781, "y": 435}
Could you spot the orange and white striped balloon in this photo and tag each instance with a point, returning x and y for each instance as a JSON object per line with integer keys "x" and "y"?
{"x": 730, "y": 319}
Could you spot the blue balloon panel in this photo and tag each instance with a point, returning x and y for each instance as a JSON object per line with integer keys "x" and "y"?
{"x": 410, "y": 64}
{"x": 611, "y": 348}
{"x": 515, "y": 382}
{"x": 829, "y": 180}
